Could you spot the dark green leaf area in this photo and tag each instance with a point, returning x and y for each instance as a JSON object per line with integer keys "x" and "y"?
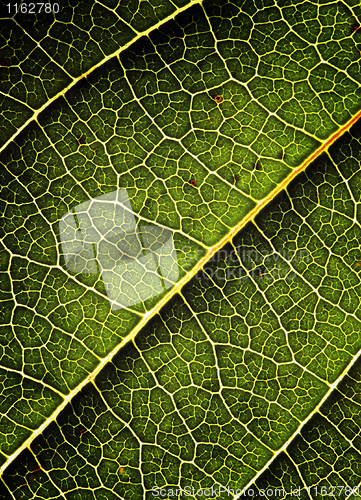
{"x": 75, "y": 53}
{"x": 26, "y": 478}
{"x": 314, "y": 245}
{"x": 146, "y": 69}
{"x": 170, "y": 111}
{"x": 327, "y": 454}
{"x": 96, "y": 420}
{"x": 34, "y": 80}
{"x": 197, "y": 121}
{"x": 142, "y": 16}
{"x": 60, "y": 302}
{"x": 13, "y": 118}
{"x": 27, "y": 278}
{"x": 240, "y": 58}
{"x": 71, "y": 42}
{"x": 50, "y": 355}
{"x": 24, "y": 406}
{"x": 27, "y": 74}
{"x": 96, "y": 26}
{"x": 284, "y": 56}
{"x": 31, "y": 240}
{"x": 342, "y": 408}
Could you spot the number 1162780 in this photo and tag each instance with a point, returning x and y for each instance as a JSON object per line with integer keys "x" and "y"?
{"x": 334, "y": 491}
{"x": 33, "y": 8}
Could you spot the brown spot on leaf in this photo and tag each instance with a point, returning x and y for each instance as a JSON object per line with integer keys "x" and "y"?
{"x": 316, "y": 198}
{"x": 31, "y": 477}
{"x": 81, "y": 140}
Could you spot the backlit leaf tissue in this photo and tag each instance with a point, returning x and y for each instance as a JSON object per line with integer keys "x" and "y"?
{"x": 180, "y": 250}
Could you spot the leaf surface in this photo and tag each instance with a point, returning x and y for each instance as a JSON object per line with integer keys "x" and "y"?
{"x": 207, "y": 364}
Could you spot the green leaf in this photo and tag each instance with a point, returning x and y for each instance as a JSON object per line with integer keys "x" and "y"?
{"x": 180, "y": 250}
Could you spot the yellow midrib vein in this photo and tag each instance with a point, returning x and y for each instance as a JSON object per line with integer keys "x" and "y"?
{"x": 103, "y": 61}
{"x": 178, "y": 286}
